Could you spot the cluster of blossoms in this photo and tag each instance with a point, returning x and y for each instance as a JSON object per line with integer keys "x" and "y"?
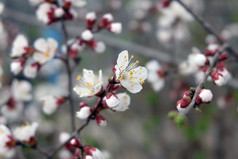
{"x": 87, "y": 36}
{"x": 198, "y": 63}
{"x": 204, "y": 96}
{"x": 50, "y": 11}
{"x": 22, "y": 135}
{"x": 75, "y": 147}
{"x": 126, "y": 74}
{"x": 172, "y": 24}
{"x": 20, "y": 92}
{"x": 31, "y": 58}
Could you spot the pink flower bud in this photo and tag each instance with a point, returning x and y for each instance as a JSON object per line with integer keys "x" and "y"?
{"x": 200, "y": 59}
{"x": 115, "y": 28}
{"x": 83, "y": 113}
{"x": 182, "y": 105}
{"x": 204, "y": 96}
{"x": 94, "y": 152}
{"x": 17, "y": 66}
{"x": 91, "y": 19}
{"x": 59, "y": 12}
{"x": 83, "y": 104}
{"x": 87, "y": 35}
{"x": 101, "y": 120}
{"x": 106, "y": 19}
{"x": 212, "y": 49}
{"x": 75, "y": 142}
{"x": 223, "y": 56}
{"x": 217, "y": 78}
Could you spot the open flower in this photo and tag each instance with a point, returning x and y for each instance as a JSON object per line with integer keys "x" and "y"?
{"x": 26, "y": 133}
{"x": 46, "y": 50}
{"x": 20, "y": 46}
{"x": 130, "y": 77}
{"x": 125, "y": 101}
{"x": 155, "y": 75}
{"x": 12, "y": 109}
{"x": 31, "y": 70}
{"x": 89, "y": 84}
{"x": 51, "y": 103}
{"x": 7, "y": 143}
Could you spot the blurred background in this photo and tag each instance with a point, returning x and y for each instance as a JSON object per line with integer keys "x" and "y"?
{"x": 144, "y": 130}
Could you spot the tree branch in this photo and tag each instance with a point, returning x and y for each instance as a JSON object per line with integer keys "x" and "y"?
{"x": 208, "y": 28}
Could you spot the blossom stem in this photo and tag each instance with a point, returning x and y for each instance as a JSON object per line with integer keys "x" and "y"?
{"x": 208, "y": 28}
{"x": 91, "y": 117}
{"x": 209, "y": 70}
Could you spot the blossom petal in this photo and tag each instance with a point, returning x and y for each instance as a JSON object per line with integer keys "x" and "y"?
{"x": 123, "y": 60}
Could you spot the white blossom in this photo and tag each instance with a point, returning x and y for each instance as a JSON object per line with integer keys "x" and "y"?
{"x": 200, "y": 59}
{"x": 21, "y": 90}
{"x": 5, "y": 152}
{"x": 94, "y": 152}
{"x": 50, "y": 104}
{"x": 17, "y": 66}
{"x": 108, "y": 17}
{"x": 19, "y": 46}
{"x": 130, "y": 77}
{"x": 89, "y": 84}
{"x": 115, "y": 28}
{"x": 112, "y": 100}
{"x": 43, "y": 11}
{"x": 83, "y": 113}
{"x": 77, "y": 3}
{"x": 205, "y": 95}
{"x": 156, "y": 81}
{"x": 99, "y": 47}
{"x": 91, "y": 16}
{"x": 59, "y": 12}
{"x": 125, "y": 101}
{"x": 1, "y": 8}
{"x": 46, "y": 50}
{"x": 12, "y": 111}
{"x": 25, "y": 132}
{"x": 31, "y": 70}
{"x": 87, "y": 35}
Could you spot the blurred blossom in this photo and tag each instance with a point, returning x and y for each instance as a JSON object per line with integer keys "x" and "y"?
{"x": 89, "y": 84}
{"x": 26, "y": 133}
{"x": 21, "y": 90}
{"x": 45, "y": 50}
{"x": 155, "y": 75}
{"x": 3, "y": 37}
{"x": 12, "y": 110}
{"x": 7, "y": 143}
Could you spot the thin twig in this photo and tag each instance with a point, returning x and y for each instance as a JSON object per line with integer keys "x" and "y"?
{"x": 69, "y": 73}
{"x": 208, "y": 28}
